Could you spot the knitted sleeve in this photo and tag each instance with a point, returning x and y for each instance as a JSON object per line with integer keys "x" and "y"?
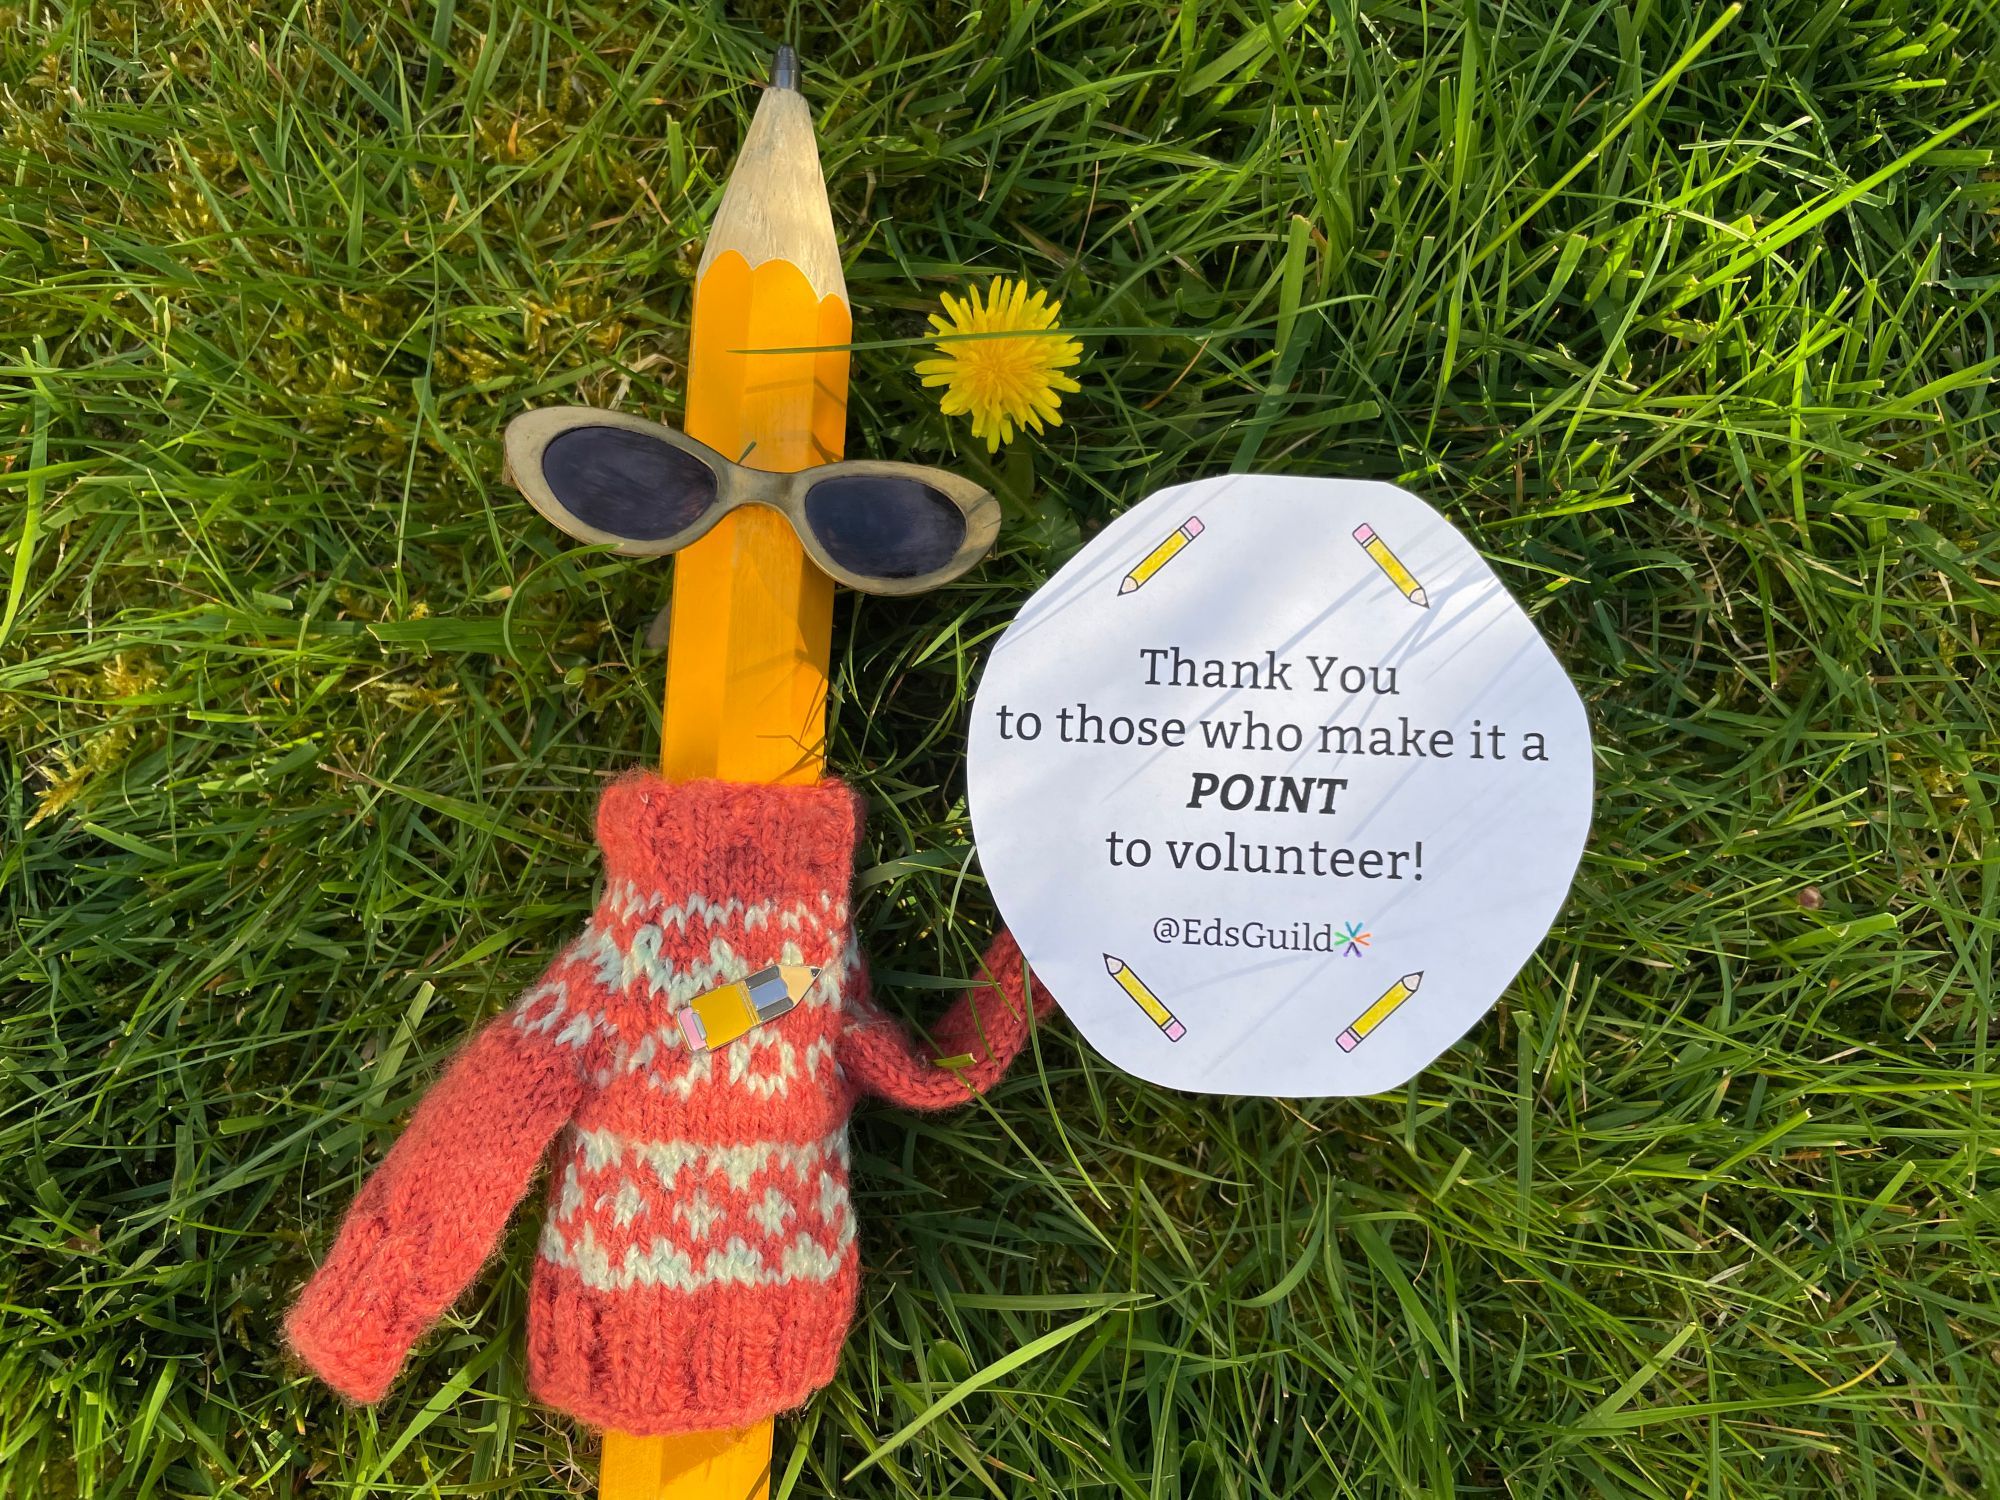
{"x": 988, "y": 1024}
{"x": 425, "y": 1221}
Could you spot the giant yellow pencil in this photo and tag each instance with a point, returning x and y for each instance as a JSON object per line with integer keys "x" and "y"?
{"x": 752, "y": 618}
{"x": 1380, "y": 1011}
{"x": 1391, "y": 564}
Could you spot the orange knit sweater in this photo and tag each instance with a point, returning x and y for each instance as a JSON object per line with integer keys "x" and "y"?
{"x": 697, "y": 1267}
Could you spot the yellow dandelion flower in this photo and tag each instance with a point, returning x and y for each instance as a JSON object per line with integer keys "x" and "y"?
{"x": 1004, "y": 383}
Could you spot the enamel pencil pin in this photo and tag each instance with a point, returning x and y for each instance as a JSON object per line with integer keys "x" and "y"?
{"x": 693, "y": 1056}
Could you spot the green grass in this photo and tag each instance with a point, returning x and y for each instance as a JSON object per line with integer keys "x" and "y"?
{"x": 1686, "y": 314}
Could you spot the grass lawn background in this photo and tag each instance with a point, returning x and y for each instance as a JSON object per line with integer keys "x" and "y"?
{"x": 1688, "y": 317}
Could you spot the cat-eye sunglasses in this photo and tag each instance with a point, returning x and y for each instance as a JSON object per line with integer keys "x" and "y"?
{"x": 882, "y": 528}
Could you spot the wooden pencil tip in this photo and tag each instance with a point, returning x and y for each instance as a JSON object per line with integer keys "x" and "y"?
{"x": 785, "y": 68}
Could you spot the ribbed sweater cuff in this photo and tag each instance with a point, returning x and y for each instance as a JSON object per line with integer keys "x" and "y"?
{"x": 345, "y": 1331}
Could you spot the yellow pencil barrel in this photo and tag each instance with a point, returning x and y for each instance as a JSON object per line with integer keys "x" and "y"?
{"x": 1161, "y": 555}
{"x": 734, "y": 1464}
{"x": 751, "y": 617}
{"x": 1380, "y": 1011}
{"x": 751, "y": 623}
{"x": 1148, "y": 1001}
{"x": 1142, "y": 995}
{"x": 1392, "y": 565}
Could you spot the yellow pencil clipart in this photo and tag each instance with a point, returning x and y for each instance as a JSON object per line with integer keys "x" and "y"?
{"x": 1380, "y": 1011}
{"x": 1149, "y": 1002}
{"x": 1391, "y": 564}
{"x": 1161, "y": 555}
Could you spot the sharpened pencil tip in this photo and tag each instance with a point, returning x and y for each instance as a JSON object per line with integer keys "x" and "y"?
{"x": 785, "y": 68}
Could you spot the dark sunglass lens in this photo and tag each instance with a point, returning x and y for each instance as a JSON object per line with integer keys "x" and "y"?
{"x": 627, "y": 484}
{"x": 884, "y": 526}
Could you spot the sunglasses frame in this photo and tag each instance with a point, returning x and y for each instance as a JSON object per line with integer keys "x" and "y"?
{"x": 530, "y": 434}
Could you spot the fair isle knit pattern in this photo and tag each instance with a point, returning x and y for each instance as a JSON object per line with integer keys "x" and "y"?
{"x": 696, "y": 1267}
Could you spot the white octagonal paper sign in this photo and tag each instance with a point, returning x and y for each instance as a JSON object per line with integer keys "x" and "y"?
{"x": 1277, "y": 786}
